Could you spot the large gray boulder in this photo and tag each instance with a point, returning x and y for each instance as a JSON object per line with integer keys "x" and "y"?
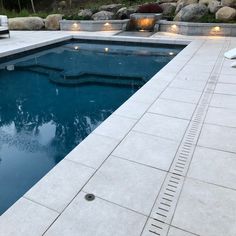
{"x": 103, "y": 15}
{"x": 191, "y": 13}
{"x": 26, "y": 23}
{"x": 168, "y": 8}
{"x": 52, "y": 22}
{"x": 229, "y": 3}
{"x": 111, "y": 7}
{"x": 226, "y": 14}
{"x": 125, "y": 12}
{"x": 85, "y": 13}
{"x": 214, "y": 6}
{"x": 184, "y": 3}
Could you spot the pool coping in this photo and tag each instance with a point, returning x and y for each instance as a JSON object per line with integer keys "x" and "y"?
{"x": 158, "y": 83}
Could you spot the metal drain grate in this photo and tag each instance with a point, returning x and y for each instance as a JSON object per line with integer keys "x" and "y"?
{"x": 163, "y": 210}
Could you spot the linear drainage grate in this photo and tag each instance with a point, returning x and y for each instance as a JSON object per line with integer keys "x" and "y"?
{"x": 163, "y": 210}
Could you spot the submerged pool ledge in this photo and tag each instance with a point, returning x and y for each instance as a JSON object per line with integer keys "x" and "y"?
{"x": 56, "y": 204}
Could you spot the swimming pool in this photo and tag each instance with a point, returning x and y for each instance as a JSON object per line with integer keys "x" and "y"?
{"x": 53, "y": 98}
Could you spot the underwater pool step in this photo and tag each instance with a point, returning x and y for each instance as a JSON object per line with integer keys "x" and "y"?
{"x": 94, "y": 78}
{"x": 58, "y": 76}
{"x": 44, "y": 69}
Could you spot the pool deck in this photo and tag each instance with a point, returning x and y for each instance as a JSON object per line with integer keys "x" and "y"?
{"x": 163, "y": 164}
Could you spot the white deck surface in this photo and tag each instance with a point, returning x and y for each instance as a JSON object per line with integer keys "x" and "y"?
{"x": 163, "y": 164}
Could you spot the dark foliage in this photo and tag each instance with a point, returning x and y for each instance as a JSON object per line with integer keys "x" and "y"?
{"x": 150, "y": 8}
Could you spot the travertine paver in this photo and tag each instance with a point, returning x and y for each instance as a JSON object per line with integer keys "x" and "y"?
{"x": 99, "y": 217}
{"x": 229, "y": 89}
{"x": 60, "y": 185}
{"x": 214, "y": 166}
{"x": 178, "y": 232}
{"x": 186, "y": 84}
{"x": 127, "y": 184}
{"x": 206, "y": 209}
{"x": 115, "y": 127}
{"x": 193, "y": 77}
{"x": 224, "y": 101}
{"x": 100, "y": 149}
{"x": 181, "y": 95}
{"x": 231, "y": 79}
{"x": 218, "y": 137}
{"x": 162, "y": 126}
{"x": 148, "y": 150}
{"x": 132, "y": 109}
{"x": 124, "y": 161}
{"x": 173, "y": 108}
{"x": 26, "y": 218}
{"x": 221, "y": 116}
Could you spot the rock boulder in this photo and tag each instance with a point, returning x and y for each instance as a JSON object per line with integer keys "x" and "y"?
{"x": 85, "y": 14}
{"x": 52, "y": 22}
{"x": 226, "y": 14}
{"x": 112, "y": 7}
{"x": 214, "y": 6}
{"x": 168, "y": 8}
{"x": 26, "y": 23}
{"x": 103, "y": 15}
{"x": 229, "y": 3}
{"x": 183, "y": 3}
{"x": 205, "y": 2}
{"x": 191, "y": 13}
{"x": 125, "y": 12}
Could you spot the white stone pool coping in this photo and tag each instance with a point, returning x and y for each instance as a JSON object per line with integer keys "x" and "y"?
{"x": 127, "y": 160}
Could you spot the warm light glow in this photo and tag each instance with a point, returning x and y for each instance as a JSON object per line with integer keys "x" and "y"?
{"x": 174, "y": 29}
{"x": 145, "y": 23}
{"x": 216, "y": 28}
{"x": 106, "y": 49}
{"x": 107, "y": 26}
{"x": 75, "y": 26}
{"x": 174, "y": 26}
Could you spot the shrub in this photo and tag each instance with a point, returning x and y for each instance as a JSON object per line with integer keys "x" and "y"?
{"x": 150, "y": 8}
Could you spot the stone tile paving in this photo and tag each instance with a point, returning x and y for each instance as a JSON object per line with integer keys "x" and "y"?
{"x": 131, "y": 160}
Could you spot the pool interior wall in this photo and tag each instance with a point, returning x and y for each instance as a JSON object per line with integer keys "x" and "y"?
{"x": 52, "y": 98}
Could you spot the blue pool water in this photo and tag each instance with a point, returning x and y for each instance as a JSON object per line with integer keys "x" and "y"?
{"x": 53, "y": 98}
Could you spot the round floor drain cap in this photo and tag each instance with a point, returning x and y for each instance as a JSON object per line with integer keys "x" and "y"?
{"x": 89, "y": 197}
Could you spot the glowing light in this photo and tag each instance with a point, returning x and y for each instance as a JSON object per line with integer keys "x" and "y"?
{"x": 76, "y": 47}
{"x": 10, "y": 67}
{"x": 75, "y": 26}
{"x": 106, "y": 49}
{"x": 145, "y": 24}
{"x": 216, "y": 28}
{"x": 171, "y": 53}
{"x": 174, "y": 26}
{"x": 106, "y": 24}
